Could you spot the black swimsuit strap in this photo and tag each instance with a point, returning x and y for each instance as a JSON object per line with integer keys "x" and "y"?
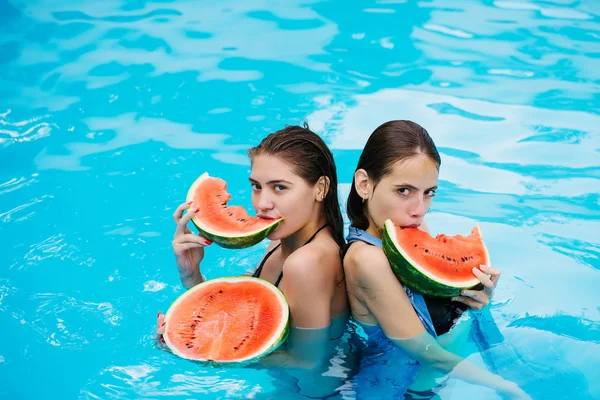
{"x": 256, "y": 273}
{"x": 260, "y": 267}
{"x": 315, "y": 234}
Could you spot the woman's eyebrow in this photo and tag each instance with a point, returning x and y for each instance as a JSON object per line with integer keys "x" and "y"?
{"x": 409, "y": 186}
{"x": 275, "y": 181}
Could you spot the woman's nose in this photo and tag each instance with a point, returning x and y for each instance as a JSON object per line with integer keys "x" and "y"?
{"x": 264, "y": 201}
{"x": 418, "y": 209}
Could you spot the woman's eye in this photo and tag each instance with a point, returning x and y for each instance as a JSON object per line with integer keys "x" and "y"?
{"x": 430, "y": 193}
{"x": 255, "y": 186}
{"x": 404, "y": 191}
{"x": 279, "y": 188}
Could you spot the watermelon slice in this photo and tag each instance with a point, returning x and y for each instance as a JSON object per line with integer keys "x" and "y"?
{"x": 440, "y": 266}
{"x": 229, "y": 227}
{"x": 227, "y": 320}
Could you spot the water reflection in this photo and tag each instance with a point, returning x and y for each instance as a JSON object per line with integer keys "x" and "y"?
{"x": 313, "y": 363}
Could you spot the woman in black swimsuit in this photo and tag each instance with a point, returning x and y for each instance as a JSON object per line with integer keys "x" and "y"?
{"x": 293, "y": 176}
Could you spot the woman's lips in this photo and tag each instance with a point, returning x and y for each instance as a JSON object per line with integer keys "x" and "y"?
{"x": 266, "y": 217}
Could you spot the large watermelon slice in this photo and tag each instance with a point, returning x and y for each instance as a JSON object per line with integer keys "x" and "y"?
{"x": 229, "y": 227}
{"x": 440, "y": 266}
{"x": 227, "y": 320}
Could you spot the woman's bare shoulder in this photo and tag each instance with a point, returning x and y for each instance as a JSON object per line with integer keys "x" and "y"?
{"x": 364, "y": 259}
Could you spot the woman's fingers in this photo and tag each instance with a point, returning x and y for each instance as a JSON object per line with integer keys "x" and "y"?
{"x": 179, "y": 211}
{"x": 475, "y": 296}
{"x": 190, "y": 238}
{"x": 484, "y": 279}
{"x": 160, "y": 324}
{"x": 493, "y": 272}
{"x": 160, "y": 329}
{"x": 179, "y": 249}
{"x": 469, "y": 302}
{"x": 182, "y": 222}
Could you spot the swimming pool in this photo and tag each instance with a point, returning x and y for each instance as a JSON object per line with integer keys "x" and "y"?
{"x": 110, "y": 109}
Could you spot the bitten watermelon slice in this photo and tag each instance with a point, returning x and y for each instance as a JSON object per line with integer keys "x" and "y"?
{"x": 227, "y": 320}
{"x": 229, "y": 227}
{"x": 440, "y": 266}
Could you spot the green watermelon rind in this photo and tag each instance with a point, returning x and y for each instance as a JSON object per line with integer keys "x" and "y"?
{"x": 237, "y": 241}
{"x": 281, "y": 333}
{"x": 416, "y": 277}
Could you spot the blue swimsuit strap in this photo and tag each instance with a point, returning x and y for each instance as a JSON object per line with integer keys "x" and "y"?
{"x": 356, "y": 234}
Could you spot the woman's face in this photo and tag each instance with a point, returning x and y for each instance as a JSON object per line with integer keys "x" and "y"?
{"x": 404, "y": 195}
{"x": 278, "y": 192}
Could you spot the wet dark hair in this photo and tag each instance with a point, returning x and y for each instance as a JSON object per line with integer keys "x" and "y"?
{"x": 311, "y": 159}
{"x": 390, "y": 143}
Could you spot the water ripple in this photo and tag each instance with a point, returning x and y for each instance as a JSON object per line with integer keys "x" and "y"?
{"x": 7, "y": 216}
{"x": 578, "y": 328}
{"x": 55, "y": 246}
{"x": 554, "y": 12}
{"x": 34, "y": 128}
{"x": 586, "y": 252}
{"x": 142, "y": 381}
{"x": 78, "y": 15}
{"x": 17, "y": 183}
{"x": 58, "y": 320}
{"x": 130, "y": 131}
{"x": 121, "y": 103}
{"x": 5, "y": 291}
{"x": 448, "y": 31}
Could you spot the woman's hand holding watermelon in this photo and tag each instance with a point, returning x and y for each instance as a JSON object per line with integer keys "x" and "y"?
{"x": 478, "y": 299}
{"x": 160, "y": 329}
{"x": 188, "y": 248}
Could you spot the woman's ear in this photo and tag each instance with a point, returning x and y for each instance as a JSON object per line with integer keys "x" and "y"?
{"x": 362, "y": 184}
{"x": 322, "y": 188}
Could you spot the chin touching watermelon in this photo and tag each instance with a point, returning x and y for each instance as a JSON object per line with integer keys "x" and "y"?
{"x": 233, "y": 320}
{"x": 229, "y": 227}
{"x": 440, "y": 266}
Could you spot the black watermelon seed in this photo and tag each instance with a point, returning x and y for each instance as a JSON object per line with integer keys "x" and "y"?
{"x": 415, "y": 245}
{"x": 426, "y": 251}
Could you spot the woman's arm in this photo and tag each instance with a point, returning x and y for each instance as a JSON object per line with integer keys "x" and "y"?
{"x": 376, "y": 286}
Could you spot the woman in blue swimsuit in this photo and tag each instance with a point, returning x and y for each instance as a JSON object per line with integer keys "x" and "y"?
{"x": 396, "y": 178}
{"x": 293, "y": 176}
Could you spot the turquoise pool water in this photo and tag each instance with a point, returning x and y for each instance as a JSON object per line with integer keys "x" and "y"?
{"x": 110, "y": 109}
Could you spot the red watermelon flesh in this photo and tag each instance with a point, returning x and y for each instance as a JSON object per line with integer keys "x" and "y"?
{"x": 227, "y": 320}
{"x": 437, "y": 266}
{"x": 229, "y": 227}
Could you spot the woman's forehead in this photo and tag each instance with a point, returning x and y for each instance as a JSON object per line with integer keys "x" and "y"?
{"x": 269, "y": 168}
{"x": 414, "y": 169}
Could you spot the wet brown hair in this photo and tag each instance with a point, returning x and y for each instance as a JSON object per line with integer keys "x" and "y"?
{"x": 390, "y": 143}
{"x": 311, "y": 159}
